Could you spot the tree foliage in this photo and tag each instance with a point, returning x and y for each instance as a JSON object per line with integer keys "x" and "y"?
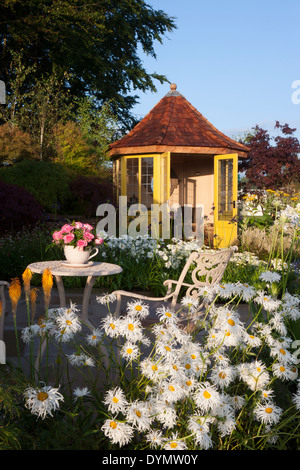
{"x": 92, "y": 46}
{"x": 15, "y": 145}
{"x": 272, "y": 162}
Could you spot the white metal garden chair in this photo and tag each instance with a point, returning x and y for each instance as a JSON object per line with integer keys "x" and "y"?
{"x": 207, "y": 268}
{"x": 3, "y": 284}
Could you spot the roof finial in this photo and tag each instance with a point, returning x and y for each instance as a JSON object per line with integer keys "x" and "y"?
{"x": 173, "y": 87}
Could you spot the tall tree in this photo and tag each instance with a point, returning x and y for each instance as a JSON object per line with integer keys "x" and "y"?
{"x": 96, "y": 43}
{"x": 272, "y": 162}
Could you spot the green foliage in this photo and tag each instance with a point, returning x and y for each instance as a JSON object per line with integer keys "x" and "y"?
{"x": 47, "y": 182}
{"x": 96, "y": 44}
{"x": 15, "y": 145}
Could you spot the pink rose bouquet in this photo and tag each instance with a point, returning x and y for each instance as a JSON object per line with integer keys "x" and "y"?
{"x": 77, "y": 234}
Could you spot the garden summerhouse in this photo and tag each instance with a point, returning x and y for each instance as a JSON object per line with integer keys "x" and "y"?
{"x": 175, "y": 155}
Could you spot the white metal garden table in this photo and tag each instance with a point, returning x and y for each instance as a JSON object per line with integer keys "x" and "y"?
{"x": 60, "y": 269}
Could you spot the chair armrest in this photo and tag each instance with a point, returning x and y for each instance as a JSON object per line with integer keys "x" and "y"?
{"x": 122, "y": 293}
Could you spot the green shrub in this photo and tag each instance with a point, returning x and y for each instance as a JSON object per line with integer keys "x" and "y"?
{"x": 47, "y": 182}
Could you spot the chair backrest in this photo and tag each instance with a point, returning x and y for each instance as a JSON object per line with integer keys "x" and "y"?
{"x": 3, "y": 284}
{"x": 209, "y": 269}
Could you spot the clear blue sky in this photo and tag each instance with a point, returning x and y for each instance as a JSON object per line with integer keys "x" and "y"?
{"x": 235, "y": 61}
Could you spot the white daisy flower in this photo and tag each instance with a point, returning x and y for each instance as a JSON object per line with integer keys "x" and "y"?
{"x": 251, "y": 340}
{"x": 245, "y": 291}
{"x": 270, "y": 277}
{"x": 63, "y": 335}
{"x": 268, "y": 413}
{"x": 29, "y": 332}
{"x": 137, "y": 413}
{"x": 165, "y": 314}
{"x": 68, "y": 321}
{"x": 237, "y": 402}
{"x": 175, "y": 443}
{"x": 254, "y": 374}
{"x": 154, "y": 437}
{"x": 207, "y": 397}
{"x": 282, "y": 371}
{"x": 165, "y": 413}
{"x": 267, "y": 394}
{"x": 226, "y": 291}
{"x": 118, "y": 432}
{"x": 153, "y": 370}
{"x": 296, "y": 397}
{"x": 172, "y": 391}
{"x": 283, "y": 355}
{"x": 201, "y": 431}
{"x": 138, "y": 308}
{"x": 81, "y": 392}
{"x": 131, "y": 328}
{"x": 130, "y": 351}
{"x": 277, "y": 323}
{"x": 115, "y": 400}
{"x": 226, "y": 426}
{"x": 222, "y": 376}
{"x": 95, "y": 337}
{"x": 106, "y": 298}
{"x": 42, "y": 401}
{"x": 190, "y": 302}
{"x": 267, "y": 301}
{"x": 111, "y": 326}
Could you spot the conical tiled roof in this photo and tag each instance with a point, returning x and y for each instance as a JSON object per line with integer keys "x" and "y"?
{"x": 175, "y": 125}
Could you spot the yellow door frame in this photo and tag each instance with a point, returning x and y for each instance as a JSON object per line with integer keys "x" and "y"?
{"x": 158, "y": 196}
{"x": 225, "y": 230}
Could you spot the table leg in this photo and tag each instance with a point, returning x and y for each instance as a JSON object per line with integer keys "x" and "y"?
{"x": 86, "y": 296}
{"x": 61, "y": 291}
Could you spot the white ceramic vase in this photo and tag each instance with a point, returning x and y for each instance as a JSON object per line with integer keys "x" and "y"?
{"x": 75, "y": 256}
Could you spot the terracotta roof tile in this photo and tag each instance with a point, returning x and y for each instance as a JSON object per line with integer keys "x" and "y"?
{"x": 175, "y": 122}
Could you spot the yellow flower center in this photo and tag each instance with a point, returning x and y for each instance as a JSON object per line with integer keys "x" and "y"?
{"x": 138, "y": 413}
{"x": 282, "y": 352}
{"x": 112, "y": 325}
{"x": 206, "y": 394}
{"x": 154, "y": 367}
{"x": 94, "y": 337}
{"x": 222, "y": 375}
{"x": 193, "y": 356}
{"x": 130, "y": 327}
{"x": 113, "y": 424}
{"x": 42, "y": 396}
{"x": 68, "y": 322}
{"x": 188, "y": 366}
{"x": 282, "y": 369}
{"x": 168, "y": 314}
{"x": 167, "y": 348}
{"x": 231, "y": 322}
{"x": 173, "y": 445}
{"x": 189, "y": 382}
{"x": 269, "y": 410}
{"x": 129, "y": 351}
{"x": 171, "y": 388}
{"x": 138, "y": 308}
{"x": 115, "y": 399}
